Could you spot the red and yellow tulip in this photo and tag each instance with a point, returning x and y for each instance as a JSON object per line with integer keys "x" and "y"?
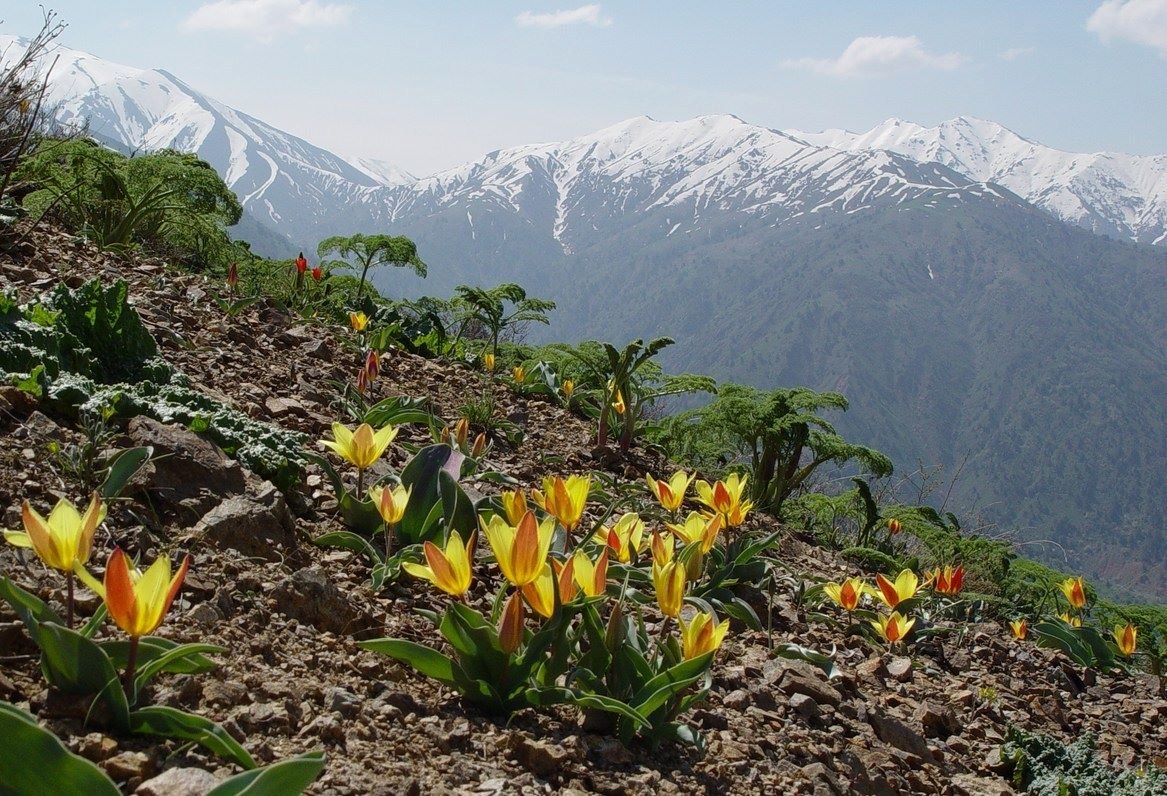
{"x": 892, "y": 628}
{"x": 1020, "y": 629}
{"x": 591, "y": 577}
{"x": 138, "y": 601}
{"x": 1126, "y": 637}
{"x": 1075, "y": 591}
{"x": 450, "y": 569}
{"x": 701, "y": 635}
{"x": 949, "y": 580}
{"x": 668, "y": 577}
{"x": 390, "y": 502}
{"x": 514, "y": 505}
{"x": 510, "y": 625}
{"x": 64, "y": 540}
{"x": 894, "y": 526}
{"x": 670, "y": 494}
{"x": 358, "y": 321}
{"x": 848, "y": 593}
{"x": 904, "y": 587}
{"x": 725, "y": 498}
{"x": 1072, "y": 621}
{"x": 564, "y": 499}
{"x": 625, "y": 538}
{"x": 521, "y": 551}
{"x": 698, "y": 528}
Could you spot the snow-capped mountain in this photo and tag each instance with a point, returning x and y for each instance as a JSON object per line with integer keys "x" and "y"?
{"x": 283, "y": 182}
{"x": 1124, "y": 196}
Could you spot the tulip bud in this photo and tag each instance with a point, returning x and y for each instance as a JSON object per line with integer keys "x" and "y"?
{"x": 510, "y": 628}
{"x": 479, "y": 445}
{"x": 461, "y": 431}
{"x": 232, "y": 277}
{"x": 317, "y": 273}
{"x": 568, "y": 388}
{"x": 519, "y": 373}
{"x": 363, "y": 381}
{"x": 488, "y": 362}
{"x": 444, "y": 435}
{"x": 373, "y": 365}
{"x": 301, "y": 264}
{"x": 894, "y": 526}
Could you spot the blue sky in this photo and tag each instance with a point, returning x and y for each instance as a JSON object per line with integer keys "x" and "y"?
{"x": 430, "y": 85}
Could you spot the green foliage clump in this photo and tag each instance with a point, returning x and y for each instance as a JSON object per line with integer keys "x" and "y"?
{"x": 366, "y": 251}
{"x": 1044, "y": 766}
{"x": 171, "y": 203}
{"x": 489, "y": 307}
{"x": 86, "y": 351}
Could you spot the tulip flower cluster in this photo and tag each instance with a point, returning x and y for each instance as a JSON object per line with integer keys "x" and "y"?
{"x": 897, "y": 595}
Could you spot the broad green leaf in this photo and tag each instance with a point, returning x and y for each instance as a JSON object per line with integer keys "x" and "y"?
{"x": 347, "y": 540}
{"x": 181, "y": 658}
{"x": 557, "y": 695}
{"x": 171, "y": 723}
{"x": 31, "y": 609}
{"x": 284, "y": 778}
{"x": 76, "y": 665}
{"x": 669, "y": 683}
{"x": 428, "y": 661}
{"x": 819, "y": 659}
{"x": 150, "y": 648}
{"x": 122, "y": 468}
{"x": 33, "y": 761}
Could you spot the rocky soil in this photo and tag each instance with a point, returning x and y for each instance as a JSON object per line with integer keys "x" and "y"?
{"x": 289, "y": 613}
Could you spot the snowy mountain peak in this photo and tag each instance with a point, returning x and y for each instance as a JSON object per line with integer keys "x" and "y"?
{"x": 1113, "y": 194}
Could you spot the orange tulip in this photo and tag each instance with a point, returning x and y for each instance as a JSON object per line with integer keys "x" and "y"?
{"x": 894, "y": 526}
{"x": 949, "y": 580}
{"x": 848, "y": 593}
{"x": 139, "y": 601}
{"x": 1020, "y": 629}
{"x": 905, "y": 586}
{"x": 1075, "y": 591}
{"x": 892, "y": 628}
{"x": 703, "y": 634}
{"x": 510, "y": 627}
{"x": 1127, "y": 638}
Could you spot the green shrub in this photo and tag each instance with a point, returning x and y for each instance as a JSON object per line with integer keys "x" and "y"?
{"x": 1045, "y": 766}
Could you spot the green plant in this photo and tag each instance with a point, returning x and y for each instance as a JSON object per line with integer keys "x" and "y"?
{"x": 1044, "y": 766}
{"x": 489, "y": 307}
{"x": 366, "y": 251}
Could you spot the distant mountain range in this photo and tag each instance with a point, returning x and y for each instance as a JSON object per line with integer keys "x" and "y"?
{"x": 925, "y": 273}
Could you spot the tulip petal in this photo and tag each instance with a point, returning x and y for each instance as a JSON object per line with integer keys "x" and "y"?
{"x": 119, "y": 592}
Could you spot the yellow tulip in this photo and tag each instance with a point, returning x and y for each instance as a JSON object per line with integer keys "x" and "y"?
{"x": 662, "y": 551}
{"x": 564, "y": 499}
{"x": 1127, "y": 638}
{"x": 618, "y": 403}
{"x": 514, "y": 505}
{"x": 669, "y": 583}
{"x": 1075, "y": 591}
{"x": 625, "y": 538}
{"x": 488, "y": 362}
{"x": 391, "y": 503}
{"x": 1020, "y": 629}
{"x": 510, "y": 626}
{"x": 703, "y": 634}
{"x": 894, "y": 526}
{"x": 892, "y": 594}
{"x": 671, "y": 493}
{"x": 449, "y": 570}
{"x": 64, "y": 541}
{"x": 848, "y": 593}
{"x": 698, "y": 528}
{"x": 568, "y": 388}
{"x": 361, "y": 447}
{"x": 519, "y": 373}
{"x": 138, "y": 601}
{"x": 521, "y": 551}
{"x": 1072, "y": 621}
{"x": 892, "y": 628}
{"x": 358, "y": 320}
{"x": 725, "y": 498}
{"x": 540, "y": 593}
{"x": 592, "y": 578}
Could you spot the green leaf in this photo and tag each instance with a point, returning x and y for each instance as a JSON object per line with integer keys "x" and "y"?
{"x": 171, "y": 723}
{"x": 1060, "y": 636}
{"x": 122, "y": 467}
{"x": 76, "y": 665}
{"x": 553, "y": 695}
{"x": 428, "y": 661}
{"x": 347, "y": 540}
{"x": 796, "y": 652}
{"x": 421, "y": 476}
{"x": 31, "y": 609}
{"x": 670, "y": 683}
{"x": 286, "y": 778}
{"x": 180, "y": 658}
{"x": 33, "y": 761}
{"x": 95, "y": 621}
{"x": 150, "y": 648}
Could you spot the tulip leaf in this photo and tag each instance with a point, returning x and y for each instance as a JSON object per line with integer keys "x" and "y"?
{"x": 347, "y": 540}
{"x": 457, "y": 508}
{"x": 95, "y": 621}
{"x": 427, "y": 661}
{"x": 178, "y": 659}
{"x": 150, "y": 648}
{"x": 399, "y": 410}
{"x": 421, "y": 476}
{"x": 76, "y": 665}
{"x": 171, "y": 723}
{"x": 476, "y": 642}
{"x": 31, "y": 609}
{"x": 670, "y": 682}
{"x": 819, "y": 659}
{"x": 33, "y": 760}
{"x": 740, "y": 610}
{"x": 122, "y": 467}
{"x": 291, "y": 777}
{"x": 553, "y": 695}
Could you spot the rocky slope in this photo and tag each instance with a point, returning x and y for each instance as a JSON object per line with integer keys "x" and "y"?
{"x": 288, "y": 612}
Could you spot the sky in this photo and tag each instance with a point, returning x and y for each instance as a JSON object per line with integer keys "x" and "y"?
{"x": 430, "y": 85}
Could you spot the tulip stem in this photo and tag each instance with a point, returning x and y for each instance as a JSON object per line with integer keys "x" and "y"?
{"x": 360, "y": 482}
{"x": 388, "y": 541}
{"x": 131, "y": 666}
{"x": 69, "y": 600}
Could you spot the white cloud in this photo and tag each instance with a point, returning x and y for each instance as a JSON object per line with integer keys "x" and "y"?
{"x": 264, "y": 18}
{"x": 1013, "y": 53}
{"x": 879, "y": 55}
{"x": 1141, "y": 21}
{"x": 584, "y": 15}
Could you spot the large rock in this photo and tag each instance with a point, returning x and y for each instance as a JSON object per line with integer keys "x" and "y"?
{"x": 258, "y": 524}
{"x": 186, "y": 472}
{"x": 309, "y": 596}
{"x": 179, "y": 782}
